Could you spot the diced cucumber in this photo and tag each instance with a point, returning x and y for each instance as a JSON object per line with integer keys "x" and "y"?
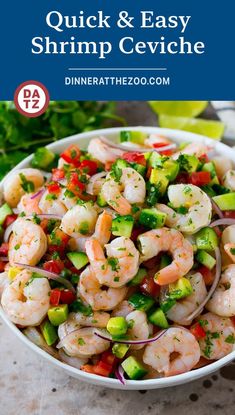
{"x": 119, "y": 350}
{"x": 207, "y": 239}
{"x": 133, "y": 368}
{"x": 5, "y": 210}
{"x": 138, "y": 278}
{"x": 165, "y": 261}
{"x": 188, "y": 162}
{"x": 226, "y": 201}
{"x": 159, "y": 178}
{"x": 167, "y": 304}
{"x": 49, "y": 332}
{"x": 122, "y": 226}
{"x": 120, "y": 164}
{"x": 152, "y": 218}
{"x": 206, "y": 259}
{"x": 158, "y": 318}
{"x": 210, "y": 167}
{"x": 180, "y": 289}
{"x": 101, "y": 200}
{"x": 42, "y": 158}
{"x": 141, "y": 302}
{"x": 58, "y": 315}
{"x": 137, "y": 137}
{"x": 155, "y": 160}
{"x": 78, "y": 259}
{"x": 117, "y": 326}
{"x": 139, "y": 168}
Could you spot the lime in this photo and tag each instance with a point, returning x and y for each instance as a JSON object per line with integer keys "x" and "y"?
{"x": 179, "y": 108}
{"x": 212, "y": 129}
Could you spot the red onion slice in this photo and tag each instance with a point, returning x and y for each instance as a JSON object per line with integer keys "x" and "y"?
{"x": 216, "y": 209}
{"x": 49, "y": 275}
{"x": 222, "y": 222}
{"x": 213, "y": 287}
{"x": 145, "y": 341}
{"x": 40, "y": 192}
{"x": 137, "y": 149}
{"x": 8, "y": 232}
{"x": 119, "y": 373}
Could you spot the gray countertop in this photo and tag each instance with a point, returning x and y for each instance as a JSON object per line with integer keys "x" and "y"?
{"x": 29, "y": 385}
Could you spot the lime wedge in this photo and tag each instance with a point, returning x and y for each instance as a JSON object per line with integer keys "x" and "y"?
{"x": 212, "y": 129}
{"x": 178, "y": 108}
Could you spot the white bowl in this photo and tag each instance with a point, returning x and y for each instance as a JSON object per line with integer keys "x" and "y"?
{"x": 113, "y": 133}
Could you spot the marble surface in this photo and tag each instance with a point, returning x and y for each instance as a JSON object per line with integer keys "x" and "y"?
{"x": 30, "y": 386}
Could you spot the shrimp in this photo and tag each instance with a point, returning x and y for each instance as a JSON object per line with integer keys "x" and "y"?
{"x": 229, "y": 180}
{"x": 91, "y": 292}
{"x": 4, "y": 282}
{"x": 76, "y": 320}
{"x": 120, "y": 266}
{"x": 170, "y": 240}
{"x": 223, "y": 299}
{"x": 102, "y": 152}
{"x": 123, "y": 309}
{"x": 196, "y": 149}
{"x": 198, "y": 204}
{"x": 18, "y": 182}
{"x": 222, "y": 165}
{"x": 138, "y": 327}
{"x": 131, "y": 183}
{"x": 28, "y": 243}
{"x": 26, "y": 300}
{"x": 29, "y": 204}
{"x": 220, "y": 336}
{"x": 50, "y": 205}
{"x": 177, "y": 351}
{"x": 80, "y": 220}
{"x": 228, "y": 241}
{"x": 183, "y": 308}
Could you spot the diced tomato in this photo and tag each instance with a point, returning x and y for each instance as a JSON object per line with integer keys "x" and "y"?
{"x": 9, "y": 220}
{"x": 233, "y": 320}
{"x": 204, "y": 158}
{"x": 198, "y": 331}
{"x": 207, "y": 274}
{"x": 149, "y": 287}
{"x": 136, "y": 232}
{"x": 2, "y": 266}
{"x": 55, "y": 297}
{"x": 57, "y": 242}
{"x": 57, "y": 174}
{"x": 229, "y": 214}
{"x": 88, "y": 368}
{"x": 164, "y": 152}
{"x": 55, "y": 265}
{"x": 148, "y": 173}
{"x": 217, "y": 231}
{"x": 74, "y": 185}
{"x": 134, "y": 158}
{"x": 4, "y": 249}
{"x": 89, "y": 166}
{"x": 102, "y": 369}
{"x": 200, "y": 178}
{"x": 183, "y": 178}
{"x": 67, "y": 297}
{"x": 72, "y": 155}
{"x": 53, "y": 188}
{"x": 109, "y": 358}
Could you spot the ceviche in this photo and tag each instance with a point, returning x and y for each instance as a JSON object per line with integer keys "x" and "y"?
{"x": 120, "y": 259}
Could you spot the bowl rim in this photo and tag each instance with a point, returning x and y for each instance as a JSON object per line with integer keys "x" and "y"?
{"x": 175, "y": 135}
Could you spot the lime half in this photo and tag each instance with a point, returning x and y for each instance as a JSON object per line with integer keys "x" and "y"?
{"x": 212, "y": 129}
{"x": 178, "y": 108}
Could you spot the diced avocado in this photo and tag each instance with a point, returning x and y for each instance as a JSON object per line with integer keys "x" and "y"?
{"x": 133, "y": 368}
{"x": 119, "y": 350}
{"x": 137, "y": 137}
{"x": 49, "y": 332}
{"x": 5, "y": 210}
{"x": 226, "y": 201}
{"x": 42, "y": 158}
{"x": 206, "y": 259}
{"x": 165, "y": 261}
{"x": 159, "y": 178}
{"x": 117, "y": 326}
{"x": 101, "y": 200}
{"x": 152, "y": 218}
{"x": 122, "y": 226}
{"x": 158, "y": 318}
{"x": 13, "y": 272}
{"x": 141, "y": 302}
{"x": 58, "y": 315}
{"x": 188, "y": 162}
{"x": 121, "y": 164}
{"x": 210, "y": 167}
{"x": 171, "y": 168}
{"x": 139, "y": 168}
{"x": 155, "y": 159}
{"x": 207, "y": 239}
{"x": 180, "y": 289}
{"x": 78, "y": 259}
{"x": 167, "y": 304}
{"x": 138, "y": 278}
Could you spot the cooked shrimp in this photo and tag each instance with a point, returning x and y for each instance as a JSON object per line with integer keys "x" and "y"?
{"x": 28, "y": 243}
{"x": 76, "y": 320}
{"x": 29, "y": 204}
{"x": 170, "y": 240}
{"x": 91, "y": 292}
{"x": 176, "y": 341}
{"x": 120, "y": 266}
{"x": 220, "y": 336}
{"x": 51, "y": 206}
{"x": 229, "y": 180}
{"x": 222, "y": 165}
{"x": 121, "y": 194}
{"x": 223, "y": 299}
{"x": 183, "y": 308}
{"x": 102, "y": 152}
{"x": 123, "y": 309}
{"x": 228, "y": 241}
{"x": 80, "y": 220}
{"x": 197, "y": 202}
{"x": 138, "y": 327}
{"x": 26, "y": 300}
{"x": 68, "y": 201}
{"x": 196, "y": 149}
{"x": 18, "y": 182}
{"x": 4, "y": 282}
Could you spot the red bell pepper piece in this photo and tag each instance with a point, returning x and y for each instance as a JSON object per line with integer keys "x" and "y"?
{"x": 200, "y": 178}
{"x": 102, "y": 369}
{"x": 134, "y": 158}
{"x": 89, "y": 166}
{"x": 55, "y": 265}
{"x": 88, "y": 368}
{"x": 109, "y": 358}
{"x": 229, "y": 214}
{"x": 74, "y": 185}
{"x": 204, "y": 158}
{"x": 72, "y": 155}
{"x": 4, "y": 249}
{"x": 67, "y": 297}
{"x": 9, "y": 220}
{"x": 53, "y": 188}
{"x": 55, "y": 297}
{"x": 198, "y": 331}
{"x": 149, "y": 287}
{"x": 57, "y": 174}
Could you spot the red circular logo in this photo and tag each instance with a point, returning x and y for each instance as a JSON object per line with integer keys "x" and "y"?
{"x": 31, "y": 98}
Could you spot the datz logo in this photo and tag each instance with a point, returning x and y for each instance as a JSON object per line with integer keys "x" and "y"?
{"x": 145, "y": 21}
